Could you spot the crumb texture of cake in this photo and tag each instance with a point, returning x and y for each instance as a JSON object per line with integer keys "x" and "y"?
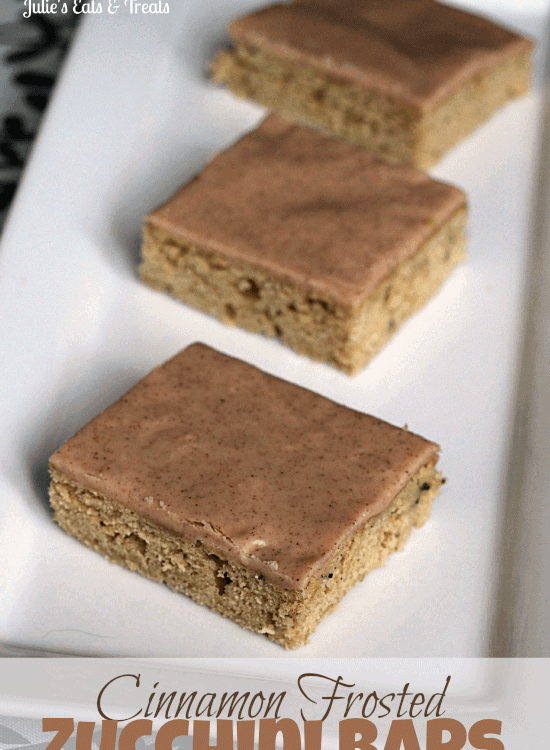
{"x": 408, "y": 79}
{"x": 296, "y": 235}
{"x": 256, "y": 498}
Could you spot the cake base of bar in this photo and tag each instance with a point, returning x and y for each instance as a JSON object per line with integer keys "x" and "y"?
{"x": 397, "y": 131}
{"x": 239, "y": 293}
{"x": 286, "y": 616}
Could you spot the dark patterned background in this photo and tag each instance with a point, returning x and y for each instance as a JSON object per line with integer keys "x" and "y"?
{"x": 32, "y": 50}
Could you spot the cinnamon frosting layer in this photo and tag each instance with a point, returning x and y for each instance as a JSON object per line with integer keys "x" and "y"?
{"x": 313, "y": 211}
{"x": 416, "y": 51}
{"x": 269, "y": 474}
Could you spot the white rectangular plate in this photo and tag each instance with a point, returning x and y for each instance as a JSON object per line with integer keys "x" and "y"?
{"x": 134, "y": 117}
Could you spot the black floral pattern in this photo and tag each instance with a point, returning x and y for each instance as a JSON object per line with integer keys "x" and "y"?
{"x": 36, "y": 48}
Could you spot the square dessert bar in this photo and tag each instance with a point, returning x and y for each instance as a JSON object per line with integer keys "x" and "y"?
{"x": 307, "y": 238}
{"x": 407, "y": 79}
{"x": 256, "y": 498}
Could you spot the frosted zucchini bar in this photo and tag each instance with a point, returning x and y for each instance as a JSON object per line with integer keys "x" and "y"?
{"x": 303, "y": 237}
{"x": 257, "y": 498}
{"x": 407, "y": 79}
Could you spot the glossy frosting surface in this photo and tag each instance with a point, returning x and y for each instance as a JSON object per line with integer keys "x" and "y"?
{"x": 417, "y": 51}
{"x": 311, "y": 210}
{"x": 269, "y": 474}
